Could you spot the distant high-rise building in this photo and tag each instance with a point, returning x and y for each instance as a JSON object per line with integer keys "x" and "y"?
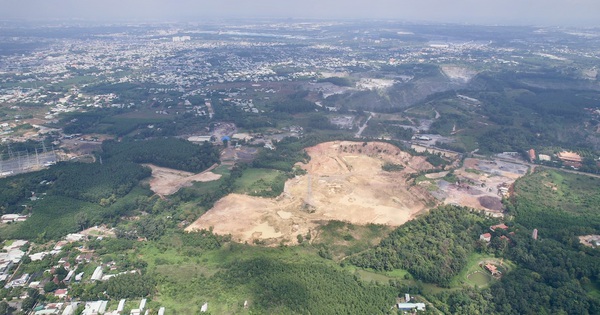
{"x": 534, "y": 234}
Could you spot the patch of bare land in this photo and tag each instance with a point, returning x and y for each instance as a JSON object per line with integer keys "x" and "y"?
{"x": 457, "y": 73}
{"x": 590, "y": 240}
{"x": 346, "y": 183}
{"x": 167, "y": 181}
{"x": 481, "y": 184}
{"x": 99, "y": 231}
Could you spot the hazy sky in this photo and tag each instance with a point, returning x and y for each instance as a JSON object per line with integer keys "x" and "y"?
{"x": 545, "y": 12}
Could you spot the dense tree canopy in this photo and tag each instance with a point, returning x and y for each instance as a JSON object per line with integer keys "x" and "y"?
{"x": 306, "y": 288}
{"x": 433, "y": 248}
{"x": 168, "y": 152}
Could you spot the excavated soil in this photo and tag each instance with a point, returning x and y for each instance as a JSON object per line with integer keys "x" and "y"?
{"x": 347, "y": 183}
{"x": 167, "y": 181}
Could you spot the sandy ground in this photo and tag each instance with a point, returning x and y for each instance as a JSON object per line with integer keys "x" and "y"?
{"x": 167, "y": 181}
{"x": 346, "y": 183}
{"x": 589, "y": 240}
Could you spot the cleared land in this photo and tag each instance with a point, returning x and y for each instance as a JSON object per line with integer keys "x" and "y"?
{"x": 167, "y": 181}
{"x": 589, "y": 240}
{"x": 479, "y": 184}
{"x": 346, "y": 184}
{"x": 459, "y": 73}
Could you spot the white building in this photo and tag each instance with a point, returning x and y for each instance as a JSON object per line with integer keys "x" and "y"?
{"x": 95, "y": 308}
{"x": 411, "y": 306}
{"x": 544, "y": 157}
{"x": 70, "y": 309}
{"x": 121, "y": 305}
{"x": 97, "y": 275}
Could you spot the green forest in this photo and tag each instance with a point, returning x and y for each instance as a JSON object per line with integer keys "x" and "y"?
{"x": 433, "y": 248}
{"x": 167, "y": 152}
{"x": 71, "y": 196}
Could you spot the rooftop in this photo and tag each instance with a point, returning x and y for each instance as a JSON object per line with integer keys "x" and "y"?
{"x": 569, "y": 156}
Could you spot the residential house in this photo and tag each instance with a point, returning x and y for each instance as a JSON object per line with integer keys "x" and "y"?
{"x": 97, "y": 275}
{"x": 486, "y": 237}
{"x": 411, "y": 306}
{"x": 492, "y": 269}
{"x": 501, "y": 226}
{"x": 95, "y": 308}
{"x": 61, "y": 293}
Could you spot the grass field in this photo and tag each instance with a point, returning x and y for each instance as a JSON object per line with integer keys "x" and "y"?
{"x": 369, "y": 276}
{"x": 479, "y": 279}
{"x": 474, "y": 275}
{"x": 343, "y": 239}
{"x": 260, "y": 182}
{"x": 569, "y": 192}
{"x": 593, "y": 289}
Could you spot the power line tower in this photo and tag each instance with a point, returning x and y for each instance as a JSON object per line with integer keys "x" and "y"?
{"x": 308, "y": 206}
{"x": 54, "y": 154}
{"x": 37, "y": 158}
{"x": 19, "y": 160}
{"x": 27, "y": 161}
{"x": 10, "y": 152}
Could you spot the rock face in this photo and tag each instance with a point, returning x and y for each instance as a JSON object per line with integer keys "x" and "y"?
{"x": 408, "y": 91}
{"x": 347, "y": 183}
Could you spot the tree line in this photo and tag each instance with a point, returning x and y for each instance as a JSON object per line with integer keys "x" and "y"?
{"x": 167, "y": 152}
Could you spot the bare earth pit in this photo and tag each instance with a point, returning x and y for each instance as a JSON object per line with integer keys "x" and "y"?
{"x": 167, "y": 181}
{"x": 346, "y": 183}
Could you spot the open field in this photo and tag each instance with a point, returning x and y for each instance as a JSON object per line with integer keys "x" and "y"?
{"x": 167, "y": 181}
{"x": 346, "y": 183}
{"x": 474, "y": 274}
{"x": 260, "y": 182}
{"x": 479, "y": 278}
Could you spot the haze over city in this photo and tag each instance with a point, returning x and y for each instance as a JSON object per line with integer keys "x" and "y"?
{"x": 509, "y": 12}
